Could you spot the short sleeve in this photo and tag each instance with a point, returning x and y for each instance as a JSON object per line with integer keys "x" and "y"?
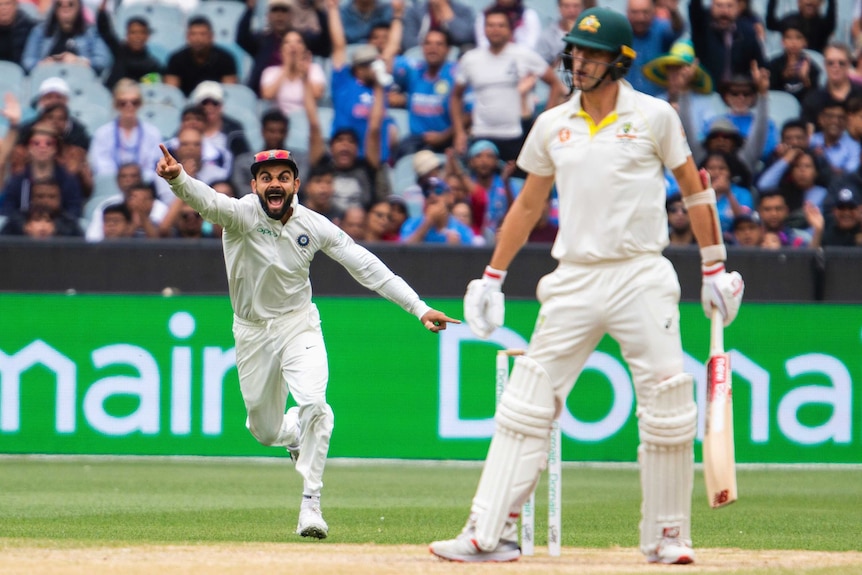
{"x": 534, "y": 157}
{"x": 670, "y": 137}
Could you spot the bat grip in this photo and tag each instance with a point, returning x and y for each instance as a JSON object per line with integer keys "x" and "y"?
{"x": 716, "y": 333}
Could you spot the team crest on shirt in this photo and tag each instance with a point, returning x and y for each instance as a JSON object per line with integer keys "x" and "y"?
{"x": 627, "y": 132}
{"x": 441, "y": 87}
{"x": 564, "y": 135}
{"x": 302, "y": 240}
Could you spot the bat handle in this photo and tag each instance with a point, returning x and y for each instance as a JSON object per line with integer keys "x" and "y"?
{"x": 716, "y": 333}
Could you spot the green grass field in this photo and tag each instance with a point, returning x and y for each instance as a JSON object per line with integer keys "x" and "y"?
{"x": 118, "y": 502}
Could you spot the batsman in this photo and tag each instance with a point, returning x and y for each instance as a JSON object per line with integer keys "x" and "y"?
{"x": 606, "y": 150}
{"x": 269, "y": 242}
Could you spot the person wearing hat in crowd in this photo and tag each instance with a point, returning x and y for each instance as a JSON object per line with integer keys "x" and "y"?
{"x": 269, "y": 242}
{"x": 354, "y": 77}
{"x": 844, "y": 228}
{"x": 200, "y": 59}
{"x": 222, "y": 130}
{"x": 604, "y": 150}
{"x": 132, "y": 57}
{"x": 815, "y": 27}
{"x": 746, "y": 230}
{"x": 747, "y": 100}
{"x": 792, "y": 71}
{"x": 51, "y": 92}
{"x": 687, "y": 85}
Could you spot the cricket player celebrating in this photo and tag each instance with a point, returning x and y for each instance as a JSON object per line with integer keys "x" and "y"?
{"x": 269, "y": 242}
{"x": 605, "y": 149}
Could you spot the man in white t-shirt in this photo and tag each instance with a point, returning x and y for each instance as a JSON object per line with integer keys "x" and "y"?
{"x": 605, "y": 150}
{"x": 494, "y": 73}
{"x": 269, "y": 241}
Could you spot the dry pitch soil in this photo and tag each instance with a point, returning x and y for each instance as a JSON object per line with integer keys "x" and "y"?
{"x": 41, "y": 558}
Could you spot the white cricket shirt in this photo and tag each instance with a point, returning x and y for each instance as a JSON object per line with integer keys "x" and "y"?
{"x": 267, "y": 262}
{"x": 610, "y": 177}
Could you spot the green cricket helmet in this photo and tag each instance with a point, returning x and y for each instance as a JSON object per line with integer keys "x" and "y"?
{"x": 607, "y": 30}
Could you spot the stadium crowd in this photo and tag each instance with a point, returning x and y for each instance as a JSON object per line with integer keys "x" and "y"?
{"x": 771, "y": 104}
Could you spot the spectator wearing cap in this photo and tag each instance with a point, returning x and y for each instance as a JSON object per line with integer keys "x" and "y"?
{"x": 126, "y": 138}
{"x": 687, "y": 85}
{"x": 426, "y": 165}
{"x": 194, "y": 116}
{"x": 436, "y": 224}
{"x": 678, "y": 222}
{"x": 132, "y": 57}
{"x": 723, "y": 136}
{"x": 451, "y": 17}
{"x": 747, "y": 100}
{"x": 792, "y": 71}
{"x": 490, "y": 192}
{"x": 844, "y": 228}
{"x": 52, "y": 92}
{"x": 264, "y": 46}
{"x": 814, "y": 26}
{"x": 15, "y": 26}
{"x": 724, "y": 42}
{"x": 746, "y": 230}
{"x": 358, "y": 17}
{"x": 494, "y": 73}
{"x": 200, "y": 59}
{"x": 838, "y": 88}
{"x": 354, "y": 83}
{"x": 65, "y": 36}
{"x": 221, "y": 129}
{"x": 652, "y": 37}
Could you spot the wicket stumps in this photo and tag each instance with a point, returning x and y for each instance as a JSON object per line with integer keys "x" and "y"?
{"x": 555, "y": 476}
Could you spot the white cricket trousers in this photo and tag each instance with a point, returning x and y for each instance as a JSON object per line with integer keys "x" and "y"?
{"x": 281, "y": 356}
{"x": 635, "y": 301}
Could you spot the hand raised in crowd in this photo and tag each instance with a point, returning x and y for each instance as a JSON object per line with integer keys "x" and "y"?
{"x": 760, "y": 76}
{"x": 814, "y": 216}
{"x": 11, "y": 109}
{"x": 397, "y": 8}
{"x": 168, "y": 167}
{"x": 441, "y": 10}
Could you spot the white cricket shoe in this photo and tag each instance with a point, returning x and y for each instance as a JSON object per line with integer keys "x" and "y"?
{"x": 292, "y": 415}
{"x": 672, "y": 551}
{"x": 465, "y": 549}
{"x": 311, "y": 523}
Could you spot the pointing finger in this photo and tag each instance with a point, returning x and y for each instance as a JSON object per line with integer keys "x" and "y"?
{"x": 165, "y": 152}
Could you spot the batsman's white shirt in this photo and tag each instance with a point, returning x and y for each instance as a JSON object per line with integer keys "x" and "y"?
{"x": 610, "y": 178}
{"x": 267, "y": 262}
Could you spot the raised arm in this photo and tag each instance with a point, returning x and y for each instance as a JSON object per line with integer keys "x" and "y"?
{"x": 374, "y": 133}
{"x": 336, "y": 33}
{"x": 456, "y": 113}
{"x": 396, "y": 33}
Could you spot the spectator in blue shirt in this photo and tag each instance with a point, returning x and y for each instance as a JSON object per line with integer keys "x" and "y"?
{"x": 449, "y": 16}
{"x": 425, "y": 88}
{"x": 436, "y": 224}
{"x": 833, "y": 142}
{"x": 653, "y": 37}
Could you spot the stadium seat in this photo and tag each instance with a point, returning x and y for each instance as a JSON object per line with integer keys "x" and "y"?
{"x": 92, "y": 94}
{"x": 13, "y": 79}
{"x": 90, "y": 115}
{"x": 164, "y": 117}
{"x": 297, "y": 137}
{"x": 548, "y": 10}
{"x": 244, "y": 62}
{"x": 782, "y": 107}
{"x": 104, "y": 186}
{"x": 163, "y": 94}
{"x": 401, "y": 117}
{"x": 224, "y": 16}
{"x": 250, "y": 121}
{"x": 402, "y": 174}
{"x": 240, "y": 96}
{"x": 817, "y": 58}
{"x": 159, "y": 52}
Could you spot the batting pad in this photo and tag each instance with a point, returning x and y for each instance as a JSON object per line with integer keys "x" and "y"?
{"x": 518, "y": 452}
{"x": 667, "y": 424}
{"x": 316, "y": 421}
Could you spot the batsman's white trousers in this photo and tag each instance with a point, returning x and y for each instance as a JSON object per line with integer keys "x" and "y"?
{"x": 636, "y": 302}
{"x": 281, "y": 356}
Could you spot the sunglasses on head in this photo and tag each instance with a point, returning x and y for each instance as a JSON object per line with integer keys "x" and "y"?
{"x": 272, "y": 155}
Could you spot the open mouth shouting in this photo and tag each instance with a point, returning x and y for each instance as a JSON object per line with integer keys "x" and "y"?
{"x": 276, "y": 201}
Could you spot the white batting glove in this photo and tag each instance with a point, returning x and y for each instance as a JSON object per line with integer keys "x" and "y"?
{"x": 484, "y": 303}
{"x": 721, "y": 290}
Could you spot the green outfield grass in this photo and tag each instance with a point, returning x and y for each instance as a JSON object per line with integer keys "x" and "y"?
{"x": 112, "y": 501}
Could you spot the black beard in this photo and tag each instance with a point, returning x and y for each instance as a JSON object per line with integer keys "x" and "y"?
{"x": 288, "y": 201}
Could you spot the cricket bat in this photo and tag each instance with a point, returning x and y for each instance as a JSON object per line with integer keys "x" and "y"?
{"x": 719, "y": 463}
